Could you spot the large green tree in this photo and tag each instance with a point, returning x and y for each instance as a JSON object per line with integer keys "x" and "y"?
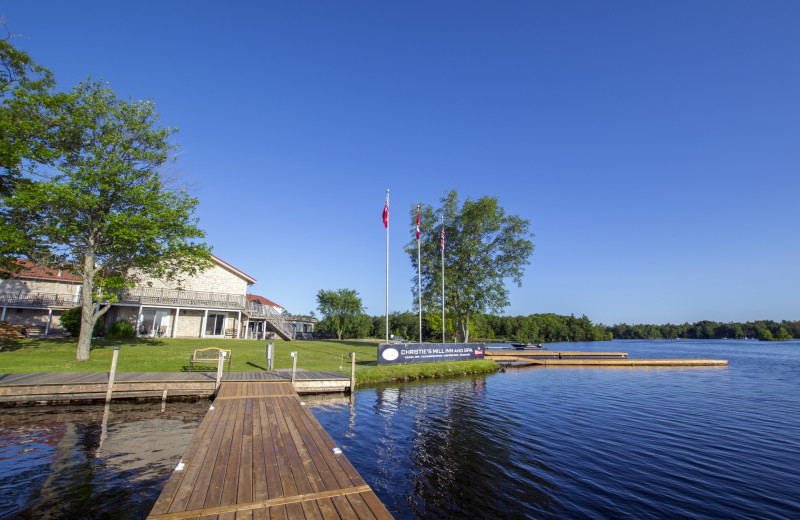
{"x": 30, "y": 138}
{"x": 105, "y": 209}
{"x": 342, "y": 312}
{"x": 484, "y": 248}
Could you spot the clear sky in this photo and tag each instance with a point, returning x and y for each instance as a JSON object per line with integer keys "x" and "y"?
{"x": 654, "y": 146}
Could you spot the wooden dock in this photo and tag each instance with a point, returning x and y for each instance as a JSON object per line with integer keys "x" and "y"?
{"x": 502, "y": 354}
{"x": 87, "y": 386}
{"x": 607, "y": 359}
{"x": 260, "y": 453}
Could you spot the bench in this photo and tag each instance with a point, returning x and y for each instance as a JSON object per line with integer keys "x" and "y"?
{"x": 33, "y": 331}
{"x": 209, "y": 356}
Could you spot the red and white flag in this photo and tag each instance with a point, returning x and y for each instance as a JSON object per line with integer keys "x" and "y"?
{"x": 442, "y": 238}
{"x": 386, "y": 212}
{"x": 417, "y": 223}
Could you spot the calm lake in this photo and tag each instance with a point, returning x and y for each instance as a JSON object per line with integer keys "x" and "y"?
{"x": 559, "y": 442}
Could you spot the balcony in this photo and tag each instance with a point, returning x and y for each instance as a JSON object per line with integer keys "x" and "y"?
{"x": 39, "y": 300}
{"x": 177, "y": 298}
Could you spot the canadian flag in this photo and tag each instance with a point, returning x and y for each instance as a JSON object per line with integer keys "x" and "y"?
{"x": 442, "y": 238}
{"x": 386, "y": 213}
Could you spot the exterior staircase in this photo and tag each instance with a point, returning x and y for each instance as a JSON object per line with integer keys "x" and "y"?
{"x": 274, "y": 320}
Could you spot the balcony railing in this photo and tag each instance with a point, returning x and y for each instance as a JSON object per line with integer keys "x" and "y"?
{"x": 148, "y": 295}
{"x": 27, "y": 299}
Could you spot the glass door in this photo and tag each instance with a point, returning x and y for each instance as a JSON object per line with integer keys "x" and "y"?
{"x": 215, "y": 324}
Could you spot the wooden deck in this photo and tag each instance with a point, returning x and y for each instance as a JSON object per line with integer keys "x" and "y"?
{"x": 80, "y": 386}
{"x": 502, "y": 354}
{"x": 259, "y": 453}
{"x": 574, "y": 358}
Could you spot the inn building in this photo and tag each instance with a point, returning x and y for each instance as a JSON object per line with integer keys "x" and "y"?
{"x": 215, "y": 303}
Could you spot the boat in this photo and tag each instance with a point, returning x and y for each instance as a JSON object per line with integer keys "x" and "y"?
{"x": 527, "y": 346}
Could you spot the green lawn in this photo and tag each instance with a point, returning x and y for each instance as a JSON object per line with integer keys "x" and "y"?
{"x": 172, "y": 355}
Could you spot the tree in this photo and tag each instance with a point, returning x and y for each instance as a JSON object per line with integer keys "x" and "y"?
{"x": 783, "y": 334}
{"x": 484, "y": 247}
{"x": 30, "y": 138}
{"x": 341, "y": 310}
{"x": 105, "y": 209}
{"x": 765, "y": 335}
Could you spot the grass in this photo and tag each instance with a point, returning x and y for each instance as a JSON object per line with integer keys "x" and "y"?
{"x": 172, "y": 355}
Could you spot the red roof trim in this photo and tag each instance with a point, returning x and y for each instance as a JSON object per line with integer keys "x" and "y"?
{"x": 34, "y": 271}
{"x": 262, "y": 300}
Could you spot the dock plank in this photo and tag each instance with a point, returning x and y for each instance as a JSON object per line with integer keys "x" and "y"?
{"x": 261, "y": 454}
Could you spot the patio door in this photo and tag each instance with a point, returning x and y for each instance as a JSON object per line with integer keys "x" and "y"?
{"x": 215, "y": 325}
{"x": 154, "y": 322}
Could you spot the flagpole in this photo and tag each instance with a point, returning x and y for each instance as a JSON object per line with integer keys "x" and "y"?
{"x": 386, "y": 222}
{"x": 443, "y": 338}
{"x": 419, "y": 278}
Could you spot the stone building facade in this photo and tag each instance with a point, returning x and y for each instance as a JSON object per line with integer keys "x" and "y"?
{"x": 211, "y": 304}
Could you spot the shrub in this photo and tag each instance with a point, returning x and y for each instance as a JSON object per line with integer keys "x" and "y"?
{"x": 121, "y": 330}
{"x": 71, "y": 321}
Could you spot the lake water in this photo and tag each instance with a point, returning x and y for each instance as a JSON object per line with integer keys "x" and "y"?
{"x": 547, "y": 442}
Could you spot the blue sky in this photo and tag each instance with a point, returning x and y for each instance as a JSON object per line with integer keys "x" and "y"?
{"x": 655, "y": 147}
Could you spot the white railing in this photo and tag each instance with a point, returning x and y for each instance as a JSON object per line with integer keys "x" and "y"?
{"x": 153, "y": 296}
{"x": 39, "y": 299}
{"x": 275, "y": 318}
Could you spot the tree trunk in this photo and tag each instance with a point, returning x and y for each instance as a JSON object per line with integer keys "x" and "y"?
{"x": 87, "y": 310}
{"x": 463, "y": 326}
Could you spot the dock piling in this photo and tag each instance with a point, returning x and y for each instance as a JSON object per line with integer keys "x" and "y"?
{"x": 112, "y": 373}
{"x": 352, "y": 371}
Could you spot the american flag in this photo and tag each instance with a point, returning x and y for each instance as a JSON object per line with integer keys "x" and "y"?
{"x": 442, "y": 238}
{"x": 417, "y": 223}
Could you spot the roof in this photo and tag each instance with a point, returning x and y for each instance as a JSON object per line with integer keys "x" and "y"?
{"x": 262, "y": 300}
{"x": 229, "y": 267}
{"x": 34, "y": 271}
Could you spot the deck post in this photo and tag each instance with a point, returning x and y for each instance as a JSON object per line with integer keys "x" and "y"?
{"x": 352, "y": 371}
{"x": 220, "y": 365}
{"x": 175, "y": 323}
{"x": 270, "y": 356}
{"x": 294, "y": 365}
{"x": 113, "y": 373}
{"x": 49, "y": 319}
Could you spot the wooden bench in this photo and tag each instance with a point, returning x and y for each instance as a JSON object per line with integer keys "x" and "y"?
{"x": 209, "y": 356}
{"x": 33, "y": 331}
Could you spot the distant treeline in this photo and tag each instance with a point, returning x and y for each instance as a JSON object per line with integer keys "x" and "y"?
{"x": 762, "y": 329}
{"x": 550, "y": 328}
{"x": 536, "y": 328}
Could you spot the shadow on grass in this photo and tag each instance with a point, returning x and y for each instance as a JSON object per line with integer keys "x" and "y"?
{"x": 263, "y": 369}
{"x": 344, "y": 342}
{"x": 146, "y": 342}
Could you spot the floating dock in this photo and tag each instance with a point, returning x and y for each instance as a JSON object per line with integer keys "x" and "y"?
{"x": 573, "y": 358}
{"x": 48, "y": 387}
{"x": 260, "y": 453}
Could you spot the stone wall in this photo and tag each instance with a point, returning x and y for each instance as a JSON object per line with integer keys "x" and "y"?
{"x": 16, "y": 285}
{"x": 34, "y": 318}
{"x": 190, "y": 323}
{"x": 216, "y": 279}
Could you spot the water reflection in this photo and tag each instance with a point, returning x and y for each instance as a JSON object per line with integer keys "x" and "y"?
{"x": 91, "y": 461}
{"x": 432, "y": 451}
